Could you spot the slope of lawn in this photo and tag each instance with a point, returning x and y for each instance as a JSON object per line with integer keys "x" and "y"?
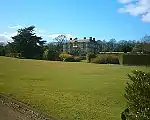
{"x": 68, "y": 91}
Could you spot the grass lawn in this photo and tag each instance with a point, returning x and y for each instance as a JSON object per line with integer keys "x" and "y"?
{"x": 68, "y": 91}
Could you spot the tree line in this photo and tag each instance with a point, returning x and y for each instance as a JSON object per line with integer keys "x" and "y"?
{"x": 27, "y": 44}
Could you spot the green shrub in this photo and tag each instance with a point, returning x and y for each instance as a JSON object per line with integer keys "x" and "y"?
{"x": 106, "y": 59}
{"x": 50, "y": 55}
{"x": 113, "y": 59}
{"x": 72, "y": 59}
{"x": 37, "y": 57}
{"x": 45, "y": 55}
{"x": 99, "y": 60}
{"x": 135, "y": 59}
{"x": 137, "y": 94}
{"x": 69, "y": 58}
{"x": 15, "y": 55}
{"x": 2, "y": 51}
{"x": 89, "y": 56}
{"x": 78, "y": 59}
{"x": 63, "y": 56}
{"x": 82, "y": 57}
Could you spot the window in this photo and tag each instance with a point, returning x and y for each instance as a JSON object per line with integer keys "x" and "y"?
{"x": 75, "y": 44}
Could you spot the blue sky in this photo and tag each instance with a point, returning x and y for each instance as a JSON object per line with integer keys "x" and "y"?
{"x": 103, "y": 19}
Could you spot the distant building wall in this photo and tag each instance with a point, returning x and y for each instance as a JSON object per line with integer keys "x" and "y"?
{"x": 81, "y": 46}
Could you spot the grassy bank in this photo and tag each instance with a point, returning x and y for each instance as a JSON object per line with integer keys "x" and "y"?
{"x": 68, "y": 91}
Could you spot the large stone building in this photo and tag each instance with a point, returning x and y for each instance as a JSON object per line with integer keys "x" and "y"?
{"x": 81, "y": 46}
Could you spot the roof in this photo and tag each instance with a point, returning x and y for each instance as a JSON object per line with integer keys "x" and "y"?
{"x": 80, "y": 40}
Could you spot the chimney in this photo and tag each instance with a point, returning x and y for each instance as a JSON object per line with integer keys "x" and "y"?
{"x": 93, "y": 39}
{"x": 90, "y": 38}
{"x": 70, "y": 38}
{"x": 84, "y": 37}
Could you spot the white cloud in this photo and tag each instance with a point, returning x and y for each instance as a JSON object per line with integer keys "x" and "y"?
{"x": 15, "y": 27}
{"x": 126, "y": 1}
{"x": 41, "y": 32}
{"x": 37, "y": 30}
{"x": 137, "y": 8}
{"x": 56, "y": 35}
{"x": 6, "y": 37}
{"x": 146, "y": 17}
{"x": 3, "y": 39}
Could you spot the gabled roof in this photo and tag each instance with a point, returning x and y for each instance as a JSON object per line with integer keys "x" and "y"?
{"x": 80, "y": 40}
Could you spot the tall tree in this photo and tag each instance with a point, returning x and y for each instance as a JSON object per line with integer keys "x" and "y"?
{"x": 28, "y": 43}
{"x": 145, "y": 39}
{"x": 51, "y": 52}
{"x": 104, "y": 46}
{"x": 2, "y": 49}
{"x": 60, "y": 40}
{"x": 111, "y": 44}
{"x": 143, "y": 45}
{"x": 125, "y": 46}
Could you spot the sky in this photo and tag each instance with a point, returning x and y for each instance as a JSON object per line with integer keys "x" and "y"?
{"x": 102, "y": 19}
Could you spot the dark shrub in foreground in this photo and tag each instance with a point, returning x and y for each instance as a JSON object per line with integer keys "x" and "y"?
{"x": 137, "y": 94}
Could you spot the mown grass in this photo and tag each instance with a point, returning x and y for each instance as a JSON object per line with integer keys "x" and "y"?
{"x": 68, "y": 91}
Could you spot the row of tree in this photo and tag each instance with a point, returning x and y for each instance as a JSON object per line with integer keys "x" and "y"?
{"x": 124, "y": 45}
{"x": 27, "y": 44}
{"x": 116, "y": 46}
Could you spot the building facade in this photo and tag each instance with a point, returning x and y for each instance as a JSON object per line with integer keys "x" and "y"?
{"x": 81, "y": 46}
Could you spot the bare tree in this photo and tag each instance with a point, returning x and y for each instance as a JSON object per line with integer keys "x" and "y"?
{"x": 60, "y": 40}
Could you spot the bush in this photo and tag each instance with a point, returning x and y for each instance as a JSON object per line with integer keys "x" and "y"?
{"x": 99, "y": 60}
{"x": 135, "y": 59}
{"x": 63, "y": 56}
{"x": 69, "y": 58}
{"x": 78, "y": 59}
{"x": 50, "y": 55}
{"x": 137, "y": 94}
{"x": 15, "y": 55}
{"x": 2, "y": 52}
{"x": 90, "y": 56}
{"x": 112, "y": 59}
{"x": 82, "y": 57}
{"x": 37, "y": 57}
{"x": 106, "y": 59}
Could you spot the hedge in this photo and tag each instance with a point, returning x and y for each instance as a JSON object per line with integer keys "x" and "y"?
{"x": 112, "y": 53}
{"x": 106, "y": 59}
{"x": 90, "y": 56}
{"x": 134, "y": 59}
